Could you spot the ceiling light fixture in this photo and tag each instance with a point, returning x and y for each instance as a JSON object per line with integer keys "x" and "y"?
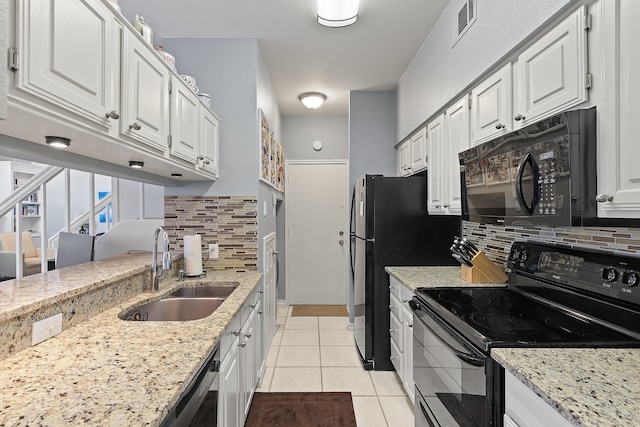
{"x": 136, "y": 164}
{"x": 57, "y": 141}
{"x": 312, "y": 100}
{"x": 337, "y": 13}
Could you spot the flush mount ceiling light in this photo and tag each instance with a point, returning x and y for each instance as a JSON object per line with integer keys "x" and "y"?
{"x": 337, "y": 13}
{"x": 57, "y": 141}
{"x": 136, "y": 164}
{"x": 312, "y": 100}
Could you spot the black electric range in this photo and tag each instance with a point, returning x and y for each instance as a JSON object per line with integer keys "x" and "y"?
{"x": 556, "y": 297}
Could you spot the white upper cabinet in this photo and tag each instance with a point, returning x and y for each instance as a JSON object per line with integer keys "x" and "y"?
{"x": 457, "y": 139}
{"x": 436, "y": 149}
{"x": 71, "y": 54}
{"x": 448, "y": 135}
{"x": 404, "y": 158}
{"x": 491, "y": 106}
{"x": 209, "y": 125}
{"x": 185, "y": 122}
{"x": 78, "y": 70}
{"x": 412, "y": 153}
{"x": 618, "y": 148}
{"x": 419, "y": 150}
{"x": 145, "y": 95}
{"x": 552, "y": 73}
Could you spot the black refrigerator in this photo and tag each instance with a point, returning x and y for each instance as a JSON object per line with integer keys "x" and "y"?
{"x": 390, "y": 226}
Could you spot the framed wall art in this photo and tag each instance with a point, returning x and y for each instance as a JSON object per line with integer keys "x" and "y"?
{"x": 271, "y": 156}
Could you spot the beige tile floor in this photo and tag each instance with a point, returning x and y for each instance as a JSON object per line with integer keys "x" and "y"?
{"x": 319, "y": 354}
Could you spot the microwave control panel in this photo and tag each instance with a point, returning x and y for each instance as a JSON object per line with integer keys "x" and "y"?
{"x": 553, "y": 165}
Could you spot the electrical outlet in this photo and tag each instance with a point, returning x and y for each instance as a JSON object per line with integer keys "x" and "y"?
{"x": 213, "y": 251}
{"x": 46, "y": 328}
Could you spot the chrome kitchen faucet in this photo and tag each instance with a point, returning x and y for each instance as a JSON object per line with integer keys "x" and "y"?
{"x": 166, "y": 258}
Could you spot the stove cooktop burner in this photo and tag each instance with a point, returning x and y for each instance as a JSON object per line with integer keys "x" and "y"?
{"x": 506, "y": 323}
{"x": 464, "y": 299}
{"x": 573, "y": 326}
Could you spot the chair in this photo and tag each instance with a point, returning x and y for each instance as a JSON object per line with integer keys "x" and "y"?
{"x": 30, "y": 255}
{"x": 74, "y": 249}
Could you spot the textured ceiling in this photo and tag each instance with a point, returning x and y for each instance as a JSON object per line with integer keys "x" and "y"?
{"x": 300, "y": 54}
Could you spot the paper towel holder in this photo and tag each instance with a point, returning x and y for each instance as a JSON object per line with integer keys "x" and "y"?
{"x": 182, "y": 274}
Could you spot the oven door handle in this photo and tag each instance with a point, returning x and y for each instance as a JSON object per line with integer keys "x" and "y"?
{"x": 468, "y": 358}
{"x": 426, "y": 413}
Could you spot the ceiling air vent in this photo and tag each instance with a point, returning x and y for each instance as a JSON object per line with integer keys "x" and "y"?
{"x": 466, "y": 17}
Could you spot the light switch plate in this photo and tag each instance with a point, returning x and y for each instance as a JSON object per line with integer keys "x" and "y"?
{"x": 46, "y": 328}
{"x": 213, "y": 251}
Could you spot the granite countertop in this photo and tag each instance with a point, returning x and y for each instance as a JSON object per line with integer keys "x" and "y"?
{"x": 106, "y": 371}
{"x": 588, "y": 387}
{"x": 432, "y": 277}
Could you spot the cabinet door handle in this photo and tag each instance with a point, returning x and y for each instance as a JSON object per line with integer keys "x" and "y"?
{"x": 259, "y": 311}
{"x": 236, "y": 332}
{"x": 113, "y": 114}
{"x": 445, "y": 206}
{"x": 242, "y": 344}
{"x": 261, "y": 291}
{"x": 437, "y": 205}
{"x": 248, "y": 335}
{"x": 601, "y": 198}
{"x": 391, "y": 331}
{"x": 406, "y": 299}
{"x": 410, "y": 325}
{"x": 519, "y": 117}
{"x": 499, "y": 126}
{"x": 200, "y": 157}
{"x": 135, "y": 126}
{"x": 252, "y": 305}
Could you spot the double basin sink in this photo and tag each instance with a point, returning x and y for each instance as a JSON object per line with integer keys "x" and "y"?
{"x": 186, "y": 303}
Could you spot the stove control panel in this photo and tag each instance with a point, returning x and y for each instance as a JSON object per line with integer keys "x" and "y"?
{"x": 594, "y": 271}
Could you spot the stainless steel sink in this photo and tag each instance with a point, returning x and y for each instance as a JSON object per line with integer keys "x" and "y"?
{"x": 176, "y": 309}
{"x": 219, "y": 290}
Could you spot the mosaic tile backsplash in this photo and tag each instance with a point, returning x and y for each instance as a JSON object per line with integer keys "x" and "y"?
{"x": 230, "y": 221}
{"x": 496, "y": 241}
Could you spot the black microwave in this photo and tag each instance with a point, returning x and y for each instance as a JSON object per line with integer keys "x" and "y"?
{"x": 541, "y": 175}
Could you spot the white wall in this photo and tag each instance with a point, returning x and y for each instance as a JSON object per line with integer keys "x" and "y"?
{"x": 438, "y": 73}
{"x": 371, "y": 133}
{"x": 227, "y": 70}
{"x": 299, "y": 133}
{"x": 268, "y": 103}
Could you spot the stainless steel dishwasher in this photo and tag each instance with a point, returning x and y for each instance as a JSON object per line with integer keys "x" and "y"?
{"x": 203, "y": 388}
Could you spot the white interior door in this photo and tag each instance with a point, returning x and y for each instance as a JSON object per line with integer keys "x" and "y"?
{"x": 316, "y": 201}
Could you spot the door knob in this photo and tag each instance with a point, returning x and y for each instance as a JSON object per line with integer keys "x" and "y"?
{"x": 135, "y": 126}
{"x": 499, "y": 126}
{"x": 519, "y": 117}
{"x": 113, "y": 114}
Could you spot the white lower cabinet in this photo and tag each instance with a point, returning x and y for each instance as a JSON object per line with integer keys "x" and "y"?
{"x": 524, "y": 408}
{"x": 229, "y": 395}
{"x": 401, "y": 331}
{"x": 241, "y": 354}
